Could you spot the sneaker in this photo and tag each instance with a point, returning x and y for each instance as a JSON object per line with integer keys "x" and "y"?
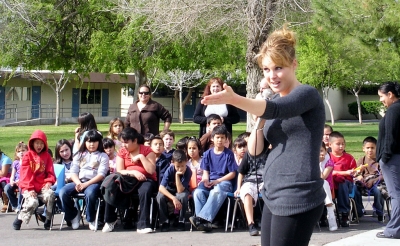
{"x": 380, "y": 218}
{"x": 109, "y": 227}
{"x": 207, "y": 226}
{"x": 197, "y": 223}
{"x": 47, "y": 224}
{"x": 144, "y": 230}
{"x": 181, "y": 226}
{"x": 92, "y": 226}
{"x": 69, "y": 224}
{"x": 165, "y": 227}
{"x": 17, "y": 224}
{"x": 253, "y": 230}
{"x": 345, "y": 220}
{"x": 75, "y": 221}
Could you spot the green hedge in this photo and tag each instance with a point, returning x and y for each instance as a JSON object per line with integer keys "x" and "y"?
{"x": 367, "y": 107}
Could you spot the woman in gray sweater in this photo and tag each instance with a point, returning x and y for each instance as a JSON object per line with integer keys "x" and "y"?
{"x": 295, "y": 117}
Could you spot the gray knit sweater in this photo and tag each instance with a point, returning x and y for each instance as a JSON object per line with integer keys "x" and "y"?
{"x": 294, "y": 128}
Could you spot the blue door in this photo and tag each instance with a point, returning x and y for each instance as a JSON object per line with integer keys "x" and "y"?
{"x": 104, "y": 102}
{"x": 36, "y": 95}
{"x": 2, "y": 102}
{"x": 75, "y": 102}
{"x": 189, "y": 108}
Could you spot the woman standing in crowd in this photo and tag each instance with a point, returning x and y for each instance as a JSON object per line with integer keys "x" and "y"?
{"x": 144, "y": 115}
{"x": 293, "y": 193}
{"x": 228, "y": 113}
{"x": 388, "y": 153}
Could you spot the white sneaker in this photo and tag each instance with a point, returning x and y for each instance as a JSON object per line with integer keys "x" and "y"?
{"x": 144, "y": 231}
{"x": 332, "y": 223}
{"x": 75, "y": 221}
{"x": 92, "y": 226}
{"x": 109, "y": 227}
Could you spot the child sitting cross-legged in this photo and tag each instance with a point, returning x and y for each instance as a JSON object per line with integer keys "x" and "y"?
{"x": 174, "y": 188}
{"x": 219, "y": 168}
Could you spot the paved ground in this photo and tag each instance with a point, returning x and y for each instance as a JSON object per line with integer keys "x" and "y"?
{"x": 357, "y": 234}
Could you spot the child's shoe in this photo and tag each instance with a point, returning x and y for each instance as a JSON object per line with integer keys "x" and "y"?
{"x": 253, "y": 230}
{"x": 380, "y": 218}
{"x": 92, "y": 226}
{"x": 17, "y": 224}
{"x": 197, "y": 223}
{"x": 75, "y": 221}
{"x": 345, "y": 220}
{"x": 47, "y": 224}
{"x": 165, "y": 227}
{"x": 109, "y": 227}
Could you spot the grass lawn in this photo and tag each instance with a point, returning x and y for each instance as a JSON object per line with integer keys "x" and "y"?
{"x": 10, "y": 136}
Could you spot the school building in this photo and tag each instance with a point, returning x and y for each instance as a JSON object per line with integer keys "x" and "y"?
{"x": 27, "y": 101}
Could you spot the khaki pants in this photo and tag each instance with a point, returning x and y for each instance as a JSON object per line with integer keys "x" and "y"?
{"x": 30, "y": 204}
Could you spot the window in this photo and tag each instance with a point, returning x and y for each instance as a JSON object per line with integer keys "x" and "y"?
{"x": 18, "y": 93}
{"x": 90, "y": 96}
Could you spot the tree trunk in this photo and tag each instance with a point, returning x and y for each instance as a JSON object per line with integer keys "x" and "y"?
{"x": 358, "y": 106}
{"x": 57, "y": 106}
{"x": 261, "y": 16}
{"x": 140, "y": 78}
{"x": 326, "y": 99}
{"x": 181, "y": 104}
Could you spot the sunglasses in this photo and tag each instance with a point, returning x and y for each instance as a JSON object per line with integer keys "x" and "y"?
{"x": 144, "y": 93}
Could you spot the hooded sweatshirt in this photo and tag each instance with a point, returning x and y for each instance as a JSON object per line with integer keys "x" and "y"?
{"x": 36, "y": 168}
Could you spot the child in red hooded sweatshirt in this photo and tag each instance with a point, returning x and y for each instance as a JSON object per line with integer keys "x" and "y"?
{"x": 36, "y": 178}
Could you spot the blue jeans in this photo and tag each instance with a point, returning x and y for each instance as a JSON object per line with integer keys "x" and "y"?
{"x": 92, "y": 193}
{"x": 378, "y": 199}
{"x": 343, "y": 200}
{"x": 208, "y": 201}
{"x": 14, "y": 200}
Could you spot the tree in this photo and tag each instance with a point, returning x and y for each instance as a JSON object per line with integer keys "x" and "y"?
{"x": 250, "y": 20}
{"x": 177, "y": 80}
{"x": 50, "y": 35}
{"x": 320, "y": 64}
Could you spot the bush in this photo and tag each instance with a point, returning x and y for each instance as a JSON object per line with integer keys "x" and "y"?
{"x": 367, "y": 107}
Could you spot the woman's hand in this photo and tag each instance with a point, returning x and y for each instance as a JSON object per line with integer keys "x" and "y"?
{"x": 227, "y": 96}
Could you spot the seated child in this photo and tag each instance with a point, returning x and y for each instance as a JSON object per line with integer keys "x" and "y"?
{"x": 195, "y": 156}
{"x": 182, "y": 144}
{"x": 162, "y": 162}
{"x": 326, "y": 166}
{"x": 213, "y": 120}
{"x": 5, "y": 173}
{"x": 109, "y": 148}
{"x": 36, "y": 178}
{"x": 147, "y": 138}
{"x": 174, "y": 188}
{"x": 370, "y": 176}
{"x": 10, "y": 188}
{"x": 89, "y": 167}
{"x": 250, "y": 176}
{"x": 168, "y": 137}
{"x": 239, "y": 149}
{"x": 343, "y": 172}
{"x": 219, "y": 168}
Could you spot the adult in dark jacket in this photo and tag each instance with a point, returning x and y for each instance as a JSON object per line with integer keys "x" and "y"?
{"x": 228, "y": 113}
{"x": 144, "y": 115}
{"x": 388, "y": 153}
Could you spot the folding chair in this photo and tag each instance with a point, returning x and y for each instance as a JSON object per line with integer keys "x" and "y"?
{"x": 59, "y": 171}
{"x": 82, "y": 208}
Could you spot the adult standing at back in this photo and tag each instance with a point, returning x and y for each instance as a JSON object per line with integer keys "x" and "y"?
{"x": 144, "y": 115}
{"x": 293, "y": 189}
{"x": 388, "y": 153}
{"x": 228, "y": 113}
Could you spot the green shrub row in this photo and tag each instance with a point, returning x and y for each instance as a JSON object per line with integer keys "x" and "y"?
{"x": 367, "y": 107}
